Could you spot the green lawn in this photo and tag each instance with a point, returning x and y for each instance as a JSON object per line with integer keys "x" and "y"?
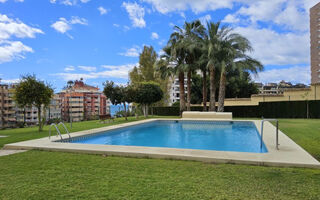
{"x": 305, "y": 132}
{"x": 53, "y": 175}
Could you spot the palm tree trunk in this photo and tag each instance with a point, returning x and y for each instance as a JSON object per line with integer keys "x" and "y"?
{"x": 222, "y": 90}
{"x": 189, "y": 90}
{"x": 204, "y": 89}
{"x": 212, "y": 89}
{"x": 182, "y": 98}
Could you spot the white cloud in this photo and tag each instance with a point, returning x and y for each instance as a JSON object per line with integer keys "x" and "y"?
{"x": 132, "y": 52}
{"x": 274, "y": 11}
{"x": 289, "y": 14}
{"x": 230, "y": 19}
{"x": 63, "y": 25}
{"x": 136, "y": 14}
{"x": 3, "y": 1}
{"x": 78, "y": 20}
{"x": 111, "y": 71}
{"x": 204, "y": 19}
{"x": 69, "y": 2}
{"x": 296, "y": 74}
{"x": 87, "y": 68}
{"x": 10, "y": 81}
{"x": 14, "y": 27}
{"x": 10, "y": 50}
{"x": 197, "y": 6}
{"x": 116, "y": 25}
{"x": 69, "y": 68}
{"x": 11, "y": 29}
{"x": 154, "y": 36}
{"x": 273, "y": 48}
{"x": 102, "y": 10}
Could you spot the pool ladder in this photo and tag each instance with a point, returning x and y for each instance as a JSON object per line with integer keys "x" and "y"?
{"x": 58, "y": 131}
{"x": 277, "y": 132}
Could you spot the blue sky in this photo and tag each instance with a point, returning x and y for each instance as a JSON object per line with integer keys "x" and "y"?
{"x": 100, "y": 40}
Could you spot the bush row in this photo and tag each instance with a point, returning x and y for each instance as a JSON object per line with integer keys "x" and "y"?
{"x": 283, "y": 109}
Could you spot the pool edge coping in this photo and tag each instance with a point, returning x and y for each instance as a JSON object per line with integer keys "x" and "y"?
{"x": 289, "y": 155}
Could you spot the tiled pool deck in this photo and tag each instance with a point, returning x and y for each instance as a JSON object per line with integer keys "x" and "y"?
{"x": 289, "y": 155}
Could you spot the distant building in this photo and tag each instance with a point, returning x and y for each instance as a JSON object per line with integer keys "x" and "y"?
{"x": 54, "y": 109}
{"x": 277, "y": 88}
{"x": 315, "y": 43}
{"x": 80, "y": 101}
{"x": 174, "y": 90}
{"x": 7, "y": 106}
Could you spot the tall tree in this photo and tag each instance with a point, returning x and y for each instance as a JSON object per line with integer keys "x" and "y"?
{"x": 171, "y": 65}
{"x": 146, "y": 63}
{"x": 176, "y": 54}
{"x": 233, "y": 49}
{"x": 146, "y": 71}
{"x": 192, "y": 37}
{"x": 32, "y": 92}
{"x": 212, "y": 45}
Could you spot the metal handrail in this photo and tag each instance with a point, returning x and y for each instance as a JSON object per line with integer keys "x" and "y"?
{"x": 64, "y": 126}
{"x": 58, "y": 131}
{"x": 277, "y": 132}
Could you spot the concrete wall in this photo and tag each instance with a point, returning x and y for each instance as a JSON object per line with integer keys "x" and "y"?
{"x": 299, "y": 94}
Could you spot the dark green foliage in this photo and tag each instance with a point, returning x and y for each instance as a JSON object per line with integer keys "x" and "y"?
{"x": 32, "y": 92}
{"x": 176, "y": 104}
{"x": 238, "y": 86}
{"x": 148, "y": 93}
{"x": 166, "y": 111}
{"x": 113, "y": 92}
{"x": 119, "y": 94}
{"x": 147, "y": 71}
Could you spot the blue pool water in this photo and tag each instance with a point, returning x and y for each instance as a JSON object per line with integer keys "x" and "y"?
{"x": 219, "y": 136}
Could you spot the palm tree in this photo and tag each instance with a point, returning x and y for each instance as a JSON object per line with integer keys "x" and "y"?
{"x": 171, "y": 64}
{"x": 212, "y": 43}
{"x": 193, "y": 36}
{"x": 202, "y": 65}
{"x": 231, "y": 55}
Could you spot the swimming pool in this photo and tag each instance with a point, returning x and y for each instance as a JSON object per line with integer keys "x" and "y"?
{"x": 203, "y": 135}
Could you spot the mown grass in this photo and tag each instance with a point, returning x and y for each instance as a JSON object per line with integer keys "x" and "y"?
{"x": 305, "y": 132}
{"x": 53, "y": 175}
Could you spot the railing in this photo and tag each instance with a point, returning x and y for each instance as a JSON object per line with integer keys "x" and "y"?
{"x": 65, "y": 128}
{"x": 57, "y": 129}
{"x": 277, "y": 132}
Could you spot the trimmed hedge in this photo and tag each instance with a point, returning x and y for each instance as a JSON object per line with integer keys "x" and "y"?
{"x": 282, "y": 109}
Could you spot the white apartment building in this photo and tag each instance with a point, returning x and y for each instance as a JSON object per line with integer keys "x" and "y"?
{"x": 174, "y": 90}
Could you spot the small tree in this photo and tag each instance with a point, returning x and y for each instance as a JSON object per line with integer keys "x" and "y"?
{"x": 32, "y": 92}
{"x": 148, "y": 93}
{"x": 119, "y": 94}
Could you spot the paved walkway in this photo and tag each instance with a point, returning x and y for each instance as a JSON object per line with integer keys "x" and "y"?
{"x": 9, "y": 152}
